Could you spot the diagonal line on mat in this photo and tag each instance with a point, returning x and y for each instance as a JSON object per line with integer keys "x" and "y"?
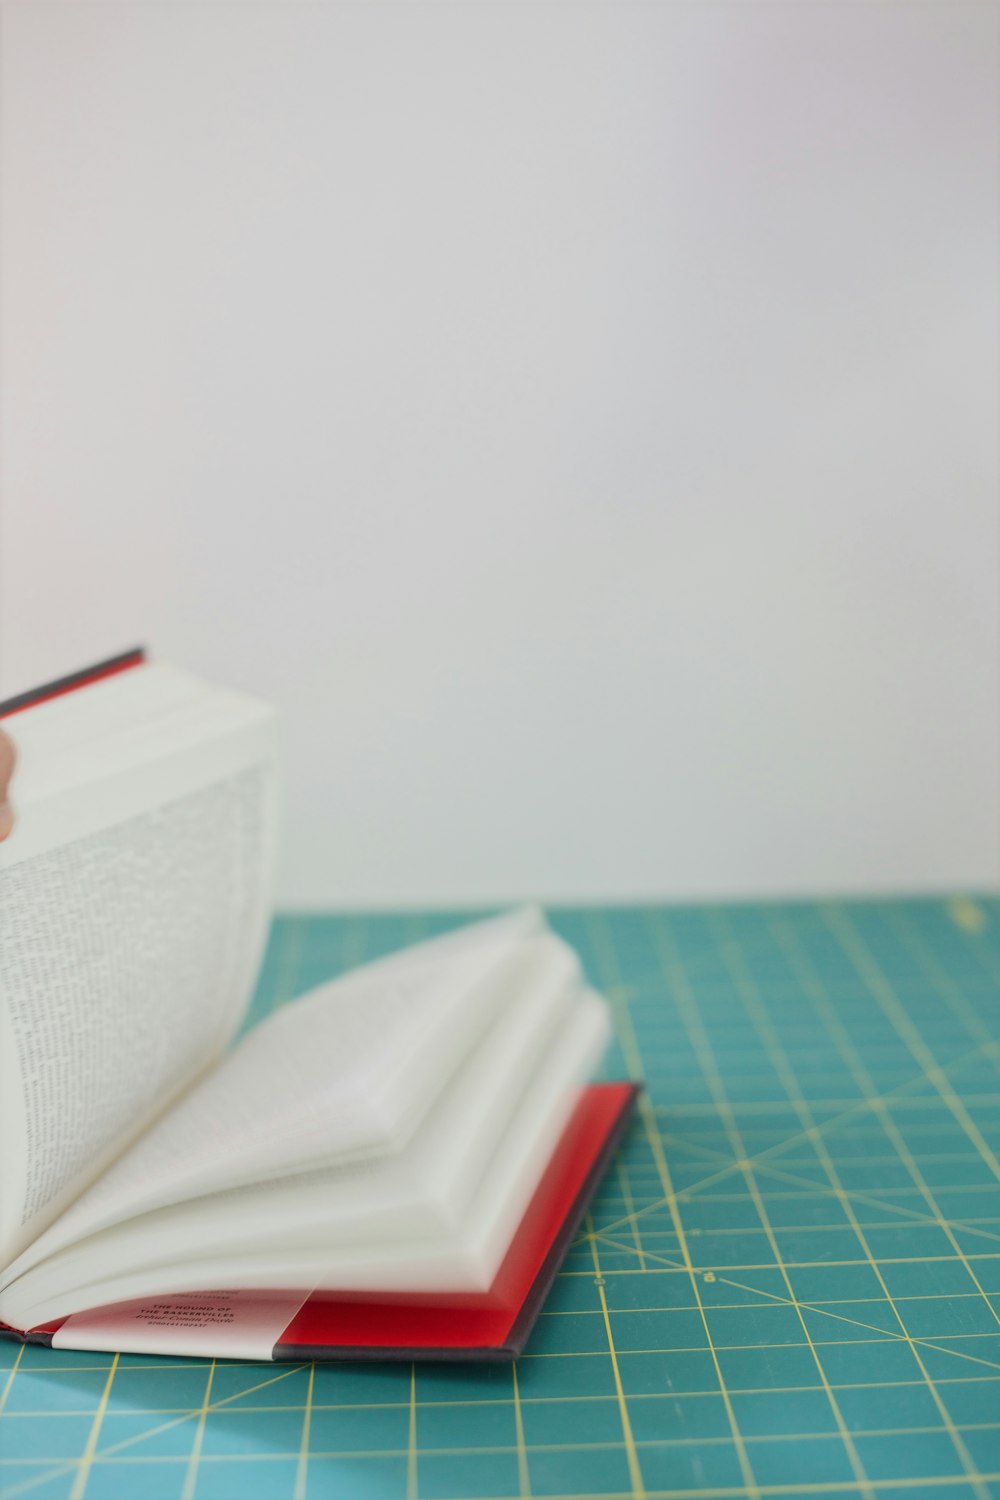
{"x": 633, "y": 1058}
{"x": 141, "y": 1437}
{"x": 859, "y": 1196}
{"x": 862, "y": 1107}
{"x": 701, "y": 1045}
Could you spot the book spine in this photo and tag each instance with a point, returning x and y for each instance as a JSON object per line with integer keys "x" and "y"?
{"x": 74, "y": 680}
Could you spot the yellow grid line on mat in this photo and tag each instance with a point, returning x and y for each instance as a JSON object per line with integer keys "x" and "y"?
{"x": 633, "y": 1059}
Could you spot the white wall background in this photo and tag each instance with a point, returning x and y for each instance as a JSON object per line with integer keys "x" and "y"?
{"x": 581, "y": 418}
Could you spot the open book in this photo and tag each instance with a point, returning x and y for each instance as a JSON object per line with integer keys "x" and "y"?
{"x": 391, "y": 1165}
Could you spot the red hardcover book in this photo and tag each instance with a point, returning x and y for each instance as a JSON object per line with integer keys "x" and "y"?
{"x": 390, "y": 1167}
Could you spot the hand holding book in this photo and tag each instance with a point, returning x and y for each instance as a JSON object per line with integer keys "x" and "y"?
{"x": 6, "y": 772}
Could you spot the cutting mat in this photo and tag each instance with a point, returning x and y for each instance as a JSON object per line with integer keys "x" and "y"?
{"x": 789, "y": 1284}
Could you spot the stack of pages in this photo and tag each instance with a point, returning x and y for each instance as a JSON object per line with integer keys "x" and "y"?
{"x": 390, "y": 1166}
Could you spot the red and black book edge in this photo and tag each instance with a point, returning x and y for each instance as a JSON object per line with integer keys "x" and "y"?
{"x": 83, "y": 678}
{"x": 517, "y": 1335}
{"x": 542, "y": 1285}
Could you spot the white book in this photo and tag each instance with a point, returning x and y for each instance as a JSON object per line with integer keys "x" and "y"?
{"x": 390, "y": 1165}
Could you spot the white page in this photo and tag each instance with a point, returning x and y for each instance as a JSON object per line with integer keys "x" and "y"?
{"x": 199, "y": 1325}
{"x": 309, "y": 1079}
{"x": 133, "y": 909}
{"x": 424, "y": 1190}
{"x": 465, "y": 1258}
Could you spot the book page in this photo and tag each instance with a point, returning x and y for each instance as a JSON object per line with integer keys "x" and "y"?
{"x": 127, "y": 955}
{"x": 417, "y": 1191}
{"x": 402, "y": 1230}
{"x": 200, "y": 1325}
{"x": 303, "y": 1090}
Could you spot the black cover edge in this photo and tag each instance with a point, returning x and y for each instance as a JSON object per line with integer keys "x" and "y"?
{"x": 522, "y": 1325}
{"x": 17, "y": 1337}
{"x": 72, "y": 680}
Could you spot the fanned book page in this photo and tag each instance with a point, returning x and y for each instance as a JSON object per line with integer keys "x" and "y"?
{"x": 134, "y": 904}
{"x": 394, "y": 1162}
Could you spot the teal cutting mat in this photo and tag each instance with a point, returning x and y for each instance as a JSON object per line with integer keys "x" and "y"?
{"x": 789, "y": 1285}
